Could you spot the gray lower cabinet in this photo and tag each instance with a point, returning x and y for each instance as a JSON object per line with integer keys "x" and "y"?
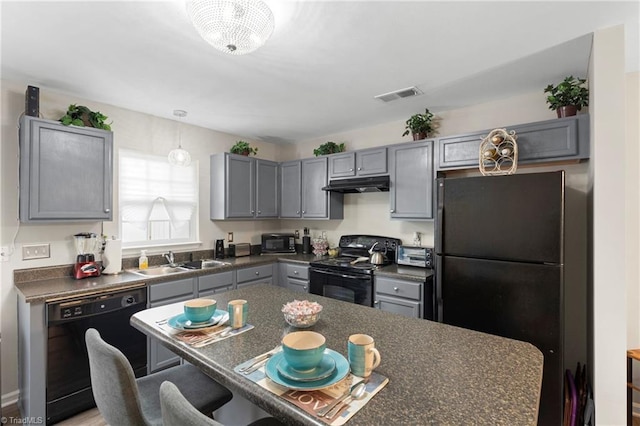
{"x": 294, "y": 276}
{"x": 290, "y": 189}
{"x": 562, "y": 139}
{"x": 411, "y": 176}
{"x": 364, "y": 162}
{"x": 215, "y": 283}
{"x": 401, "y": 297}
{"x": 162, "y": 294}
{"x": 262, "y": 274}
{"x": 65, "y": 172}
{"x": 243, "y": 187}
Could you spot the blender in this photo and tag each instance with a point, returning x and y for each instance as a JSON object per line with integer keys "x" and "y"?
{"x": 86, "y": 266}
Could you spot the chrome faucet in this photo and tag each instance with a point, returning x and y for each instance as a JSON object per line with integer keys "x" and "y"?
{"x": 170, "y": 258}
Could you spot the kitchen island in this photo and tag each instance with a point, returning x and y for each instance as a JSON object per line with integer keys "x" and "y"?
{"x": 438, "y": 374}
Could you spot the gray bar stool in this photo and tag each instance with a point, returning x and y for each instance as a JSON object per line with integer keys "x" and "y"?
{"x": 124, "y": 400}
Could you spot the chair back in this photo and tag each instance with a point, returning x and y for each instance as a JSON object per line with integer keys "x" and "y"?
{"x": 113, "y": 382}
{"x": 178, "y": 411}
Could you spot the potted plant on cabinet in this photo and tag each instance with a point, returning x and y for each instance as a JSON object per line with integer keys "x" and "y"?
{"x": 568, "y": 97}
{"x": 243, "y": 148}
{"x": 328, "y": 148}
{"x": 419, "y": 125}
{"x": 81, "y": 116}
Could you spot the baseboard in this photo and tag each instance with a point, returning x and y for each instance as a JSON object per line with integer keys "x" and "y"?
{"x": 10, "y": 398}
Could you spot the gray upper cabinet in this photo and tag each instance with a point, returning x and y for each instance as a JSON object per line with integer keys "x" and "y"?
{"x": 316, "y": 203}
{"x": 563, "y": 139}
{"x": 411, "y": 176}
{"x": 290, "y": 189}
{"x": 365, "y": 162}
{"x": 66, "y": 172}
{"x": 266, "y": 189}
{"x": 243, "y": 187}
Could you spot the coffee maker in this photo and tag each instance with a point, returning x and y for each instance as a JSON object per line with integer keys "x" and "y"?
{"x": 86, "y": 266}
{"x": 219, "y": 253}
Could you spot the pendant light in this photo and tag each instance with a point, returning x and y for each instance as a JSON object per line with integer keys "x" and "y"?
{"x": 236, "y": 27}
{"x": 179, "y": 156}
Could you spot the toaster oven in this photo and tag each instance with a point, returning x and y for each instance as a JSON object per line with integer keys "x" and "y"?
{"x": 421, "y": 257}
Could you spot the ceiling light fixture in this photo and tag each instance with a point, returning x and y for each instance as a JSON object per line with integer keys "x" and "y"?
{"x": 236, "y": 27}
{"x": 179, "y": 156}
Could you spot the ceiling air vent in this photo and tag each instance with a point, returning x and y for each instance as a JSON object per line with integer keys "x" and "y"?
{"x": 399, "y": 94}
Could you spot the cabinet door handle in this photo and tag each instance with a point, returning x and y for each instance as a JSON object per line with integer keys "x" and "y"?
{"x": 297, "y": 211}
{"x": 257, "y": 273}
{"x": 359, "y": 168}
{"x": 295, "y": 272}
{"x": 107, "y": 210}
{"x": 304, "y": 287}
{"x": 253, "y": 211}
{"x": 375, "y": 302}
{"x": 392, "y": 210}
{"x": 303, "y": 211}
{"x": 259, "y": 211}
{"x": 395, "y": 289}
{"x": 350, "y": 170}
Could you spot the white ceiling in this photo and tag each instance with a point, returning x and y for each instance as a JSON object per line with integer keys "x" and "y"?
{"x": 319, "y": 72}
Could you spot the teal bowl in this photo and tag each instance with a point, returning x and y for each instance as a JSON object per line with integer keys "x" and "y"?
{"x": 303, "y": 350}
{"x": 199, "y": 310}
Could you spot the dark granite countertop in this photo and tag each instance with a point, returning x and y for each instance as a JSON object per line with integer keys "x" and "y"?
{"x": 438, "y": 374}
{"x": 43, "y": 284}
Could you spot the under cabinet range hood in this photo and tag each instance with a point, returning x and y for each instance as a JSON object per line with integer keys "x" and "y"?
{"x": 356, "y": 185}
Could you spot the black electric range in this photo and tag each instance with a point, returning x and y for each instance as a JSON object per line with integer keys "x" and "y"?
{"x": 349, "y": 277}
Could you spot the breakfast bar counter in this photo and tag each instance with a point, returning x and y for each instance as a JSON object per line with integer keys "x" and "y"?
{"x": 438, "y": 374}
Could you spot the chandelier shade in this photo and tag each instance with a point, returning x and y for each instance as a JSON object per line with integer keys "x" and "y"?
{"x": 236, "y": 27}
{"x": 179, "y": 156}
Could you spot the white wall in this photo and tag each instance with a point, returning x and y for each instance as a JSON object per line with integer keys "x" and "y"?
{"x": 609, "y": 151}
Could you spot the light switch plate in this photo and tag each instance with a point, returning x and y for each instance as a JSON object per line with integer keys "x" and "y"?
{"x": 35, "y": 251}
{"x": 229, "y": 237}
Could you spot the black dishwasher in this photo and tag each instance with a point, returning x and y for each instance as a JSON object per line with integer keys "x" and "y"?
{"x": 68, "y": 379}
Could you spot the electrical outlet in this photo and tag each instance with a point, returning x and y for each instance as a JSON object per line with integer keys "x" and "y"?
{"x": 35, "y": 251}
{"x": 229, "y": 237}
{"x": 297, "y": 234}
{"x": 4, "y": 253}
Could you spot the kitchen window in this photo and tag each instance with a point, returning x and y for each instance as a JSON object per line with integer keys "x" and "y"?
{"x": 158, "y": 202}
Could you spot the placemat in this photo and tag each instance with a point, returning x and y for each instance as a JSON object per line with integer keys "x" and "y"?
{"x": 205, "y": 336}
{"x": 314, "y": 401}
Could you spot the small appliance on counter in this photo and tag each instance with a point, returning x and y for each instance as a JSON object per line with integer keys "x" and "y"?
{"x": 306, "y": 242}
{"x": 86, "y": 266}
{"x": 239, "y": 250}
{"x": 219, "y": 253}
{"x": 421, "y": 257}
{"x": 278, "y": 243}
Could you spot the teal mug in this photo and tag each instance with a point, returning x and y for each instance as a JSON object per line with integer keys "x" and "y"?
{"x": 238, "y": 310}
{"x": 363, "y": 356}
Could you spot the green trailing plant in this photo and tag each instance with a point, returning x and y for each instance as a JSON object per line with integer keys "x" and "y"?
{"x": 79, "y": 115}
{"x": 243, "y": 148}
{"x": 419, "y": 124}
{"x": 568, "y": 92}
{"x": 328, "y": 148}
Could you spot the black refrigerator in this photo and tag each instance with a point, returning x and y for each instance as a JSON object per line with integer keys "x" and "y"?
{"x": 499, "y": 245}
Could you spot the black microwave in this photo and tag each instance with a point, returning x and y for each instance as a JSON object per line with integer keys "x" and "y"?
{"x": 278, "y": 243}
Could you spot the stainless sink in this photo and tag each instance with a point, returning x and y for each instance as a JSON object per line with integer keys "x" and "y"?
{"x": 159, "y": 271}
{"x": 205, "y": 264}
{"x": 213, "y": 263}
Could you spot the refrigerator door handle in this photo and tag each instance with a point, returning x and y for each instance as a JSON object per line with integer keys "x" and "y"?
{"x": 438, "y": 288}
{"x": 439, "y": 216}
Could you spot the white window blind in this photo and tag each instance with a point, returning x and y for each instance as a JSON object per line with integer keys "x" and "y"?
{"x": 158, "y": 201}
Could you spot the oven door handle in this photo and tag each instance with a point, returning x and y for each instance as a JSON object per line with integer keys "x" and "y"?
{"x": 337, "y": 274}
